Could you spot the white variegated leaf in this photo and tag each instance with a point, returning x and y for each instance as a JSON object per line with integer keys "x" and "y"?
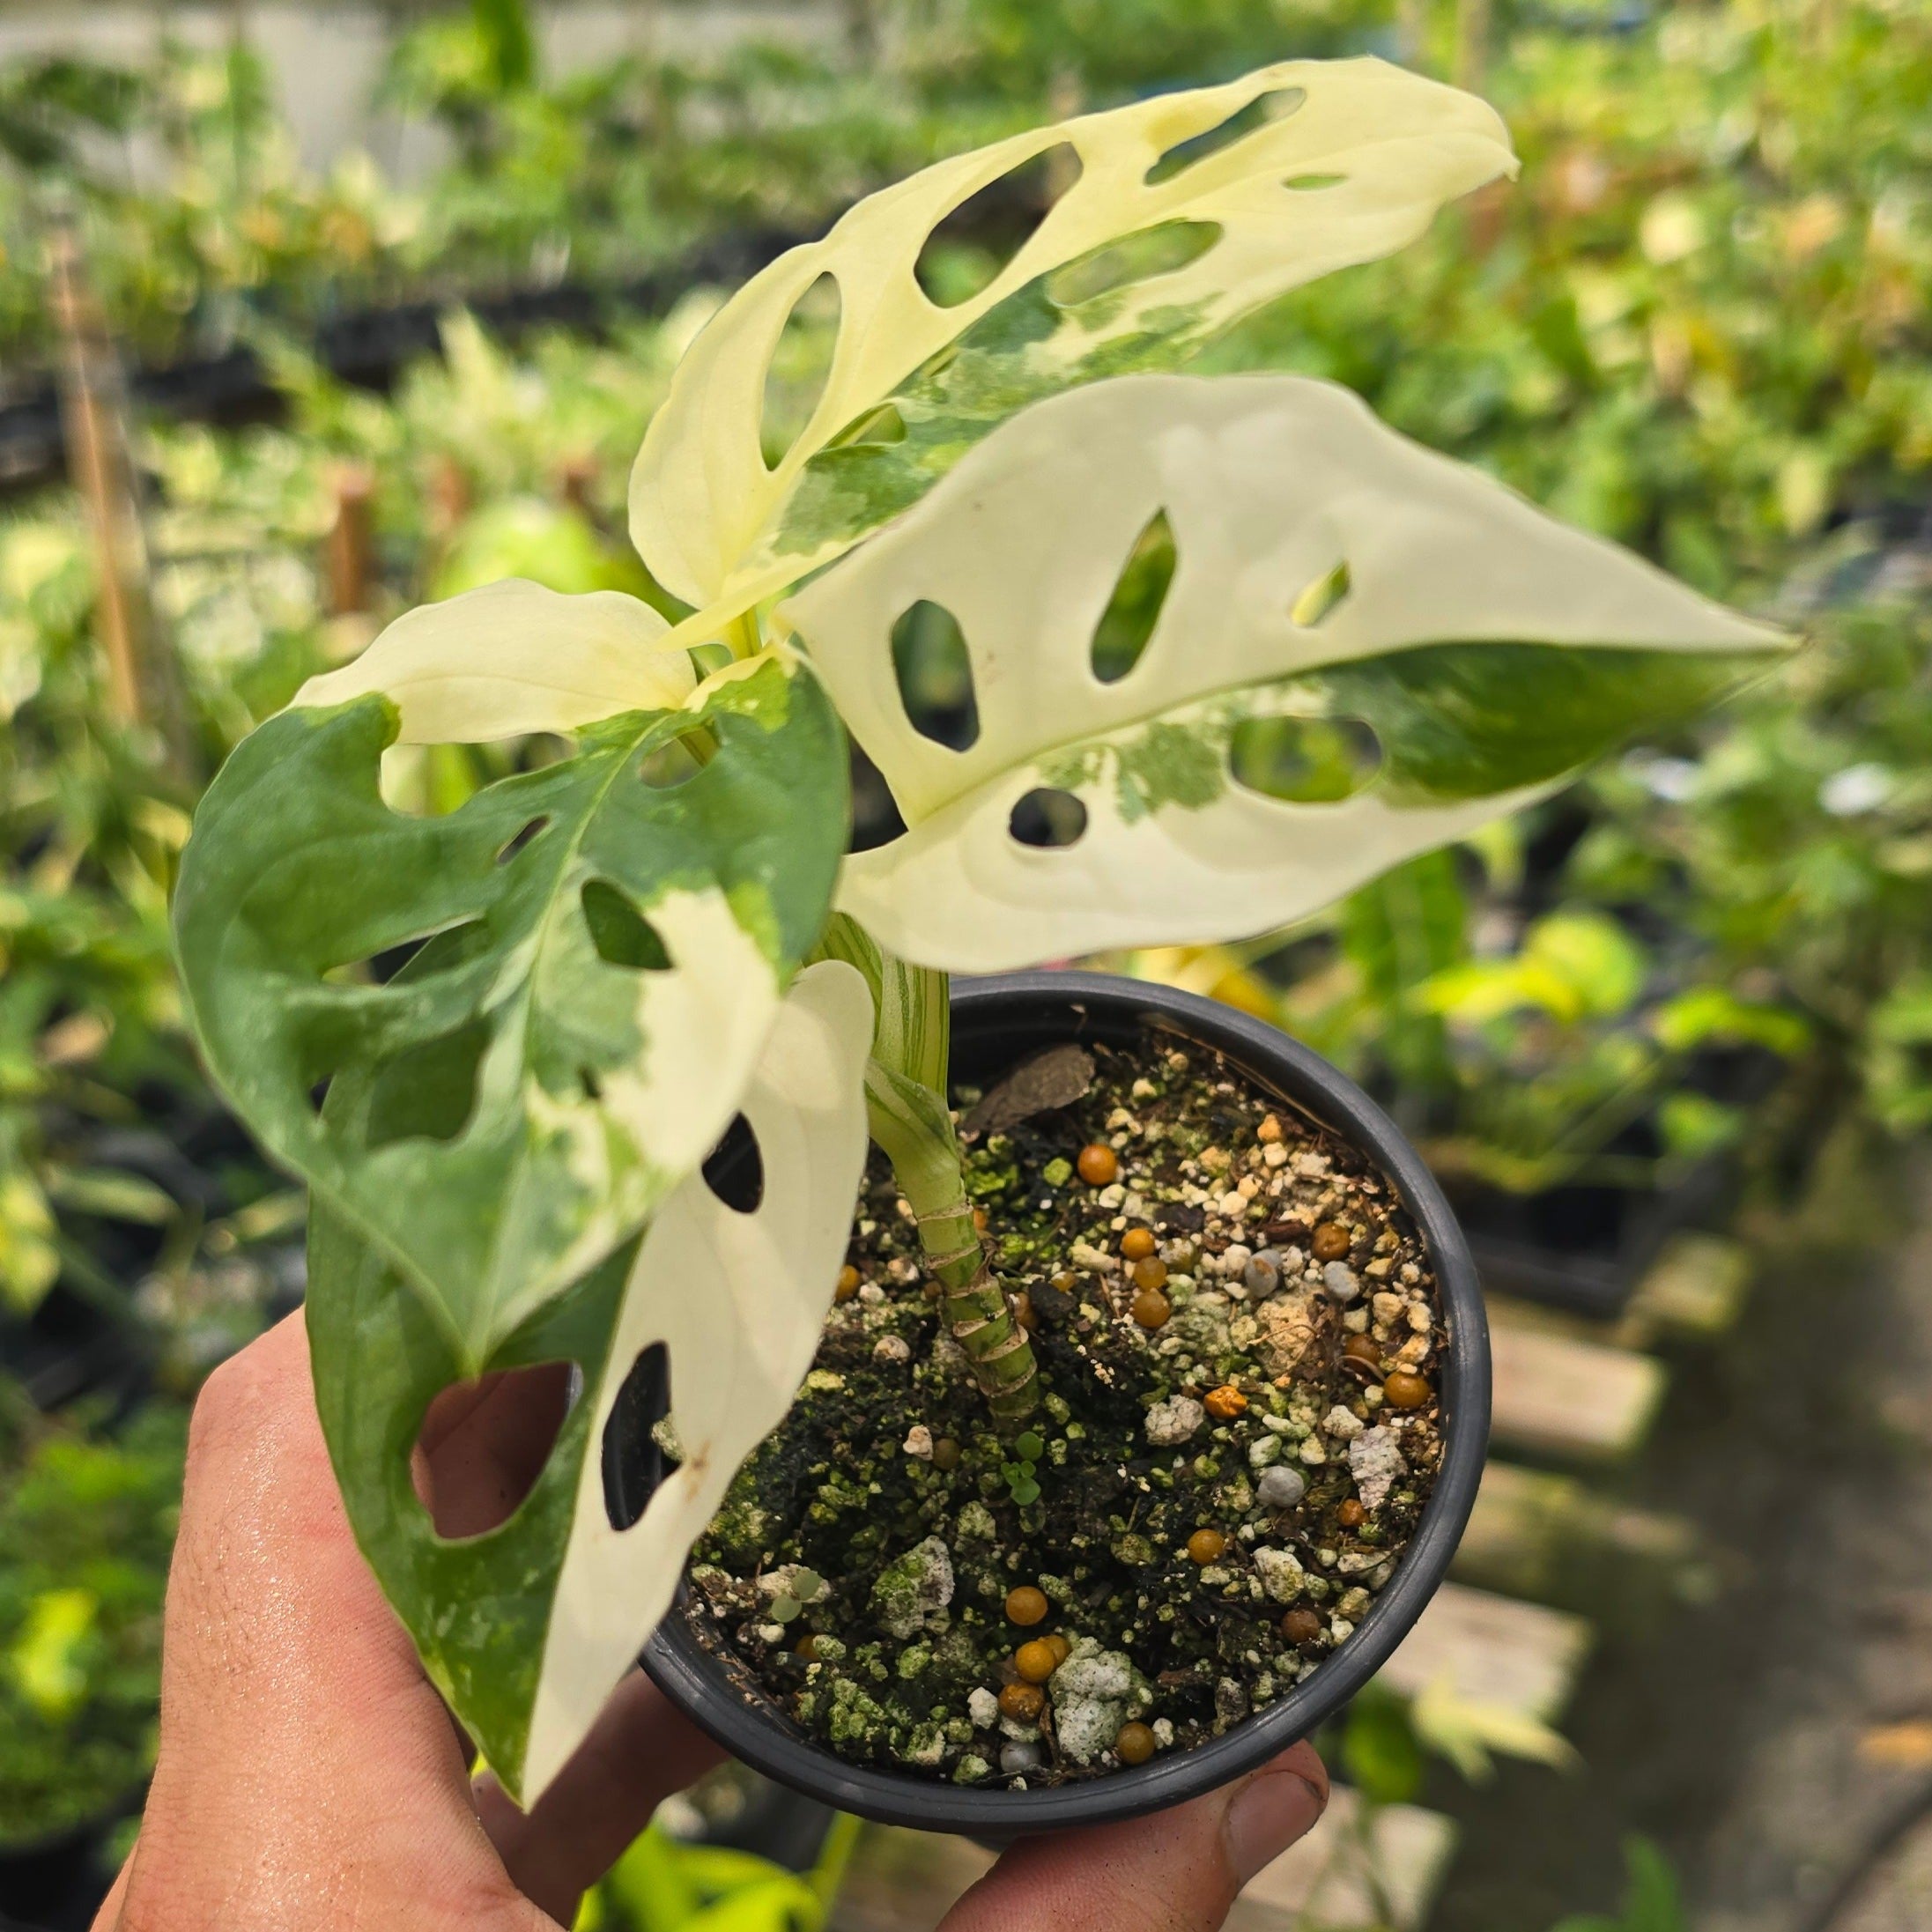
{"x": 738, "y": 1300}
{"x": 1491, "y": 649}
{"x": 514, "y": 658}
{"x": 528, "y": 1627}
{"x": 598, "y": 959}
{"x": 1357, "y": 159}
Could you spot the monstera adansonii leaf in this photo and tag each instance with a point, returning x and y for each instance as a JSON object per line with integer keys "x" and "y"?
{"x": 497, "y": 1044}
{"x": 707, "y": 1326}
{"x": 1186, "y": 211}
{"x": 1189, "y": 211}
{"x": 1322, "y": 568}
{"x": 599, "y": 954}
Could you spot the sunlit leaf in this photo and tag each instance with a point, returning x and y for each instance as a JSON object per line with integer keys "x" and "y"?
{"x": 1488, "y": 649}
{"x": 510, "y": 1100}
{"x": 510, "y": 658}
{"x": 1134, "y": 267}
{"x": 527, "y": 1628}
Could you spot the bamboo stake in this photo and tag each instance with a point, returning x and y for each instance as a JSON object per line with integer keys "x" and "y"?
{"x": 140, "y": 692}
{"x": 1473, "y": 23}
{"x": 351, "y": 545}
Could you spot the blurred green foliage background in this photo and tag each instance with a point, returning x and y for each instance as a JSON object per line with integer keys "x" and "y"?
{"x": 1699, "y": 324}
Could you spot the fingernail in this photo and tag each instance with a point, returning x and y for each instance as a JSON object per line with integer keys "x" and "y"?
{"x": 1269, "y": 1812}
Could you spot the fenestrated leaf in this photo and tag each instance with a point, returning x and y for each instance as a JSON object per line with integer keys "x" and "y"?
{"x": 526, "y": 1627}
{"x": 1326, "y": 569}
{"x": 510, "y": 658}
{"x": 511, "y": 1104}
{"x": 1151, "y": 251}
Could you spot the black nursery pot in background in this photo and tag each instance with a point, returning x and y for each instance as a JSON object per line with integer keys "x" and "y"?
{"x": 996, "y": 1023}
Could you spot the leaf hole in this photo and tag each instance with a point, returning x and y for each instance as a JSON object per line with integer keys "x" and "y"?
{"x": 1049, "y": 818}
{"x": 522, "y": 839}
{"x": 876, "y": 817}
{"x": 734, "y": 1169}
{"x": 417, "y": 958}
{"x": 1321, "y": 598}
{"x": 666, "y": 766}
{"x": 935, "y": 672}
{"x": 1276, "y": 104}
{"x": 1163, "y": 249}
{"x": 974, "y": 243}
{"x": 1133, "y": 608}
{"x": 639, "y": 1448}
{"x": 877, "y": 429}
{"x": 1308, "y": 184}
{"x": 484, "y": 1443}
{"x": 794, "y": 377}
{"x": 318, "y": 1094}
{"x": 621, "y": 934}
{"x": 1304, "y": 761}
{"x": 427, "y": 1091}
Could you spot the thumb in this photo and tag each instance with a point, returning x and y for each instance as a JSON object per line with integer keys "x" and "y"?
{"x": 1177, "y": 1871}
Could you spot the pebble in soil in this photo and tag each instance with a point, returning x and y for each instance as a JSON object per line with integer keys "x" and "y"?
{"x": 1238, "y": 1338}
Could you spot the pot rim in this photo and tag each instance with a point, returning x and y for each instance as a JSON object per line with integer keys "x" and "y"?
{"x": 1036, "y": 1008}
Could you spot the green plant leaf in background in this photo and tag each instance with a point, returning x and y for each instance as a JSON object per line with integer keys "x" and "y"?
{"x": 1652, "y": 1900}
{"x": 663, "y": 1885}
{"x": 599, "y": 957}
{"x": 1399, "y": 931}
{"x": 1189, "y": 210}
{"x": 526, "y": 1626}
{"x": 1328, "y": 572}
{"x": 1379, "y": 1751}
{"x": 1573, "y": 965}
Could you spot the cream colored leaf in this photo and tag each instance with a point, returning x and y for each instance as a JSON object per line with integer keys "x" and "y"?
{"x": 1490, "y": 649}
{"x": 1357, "y": 159}
{"x": 514, "y": 658}
{"x": 738, "y": 1301}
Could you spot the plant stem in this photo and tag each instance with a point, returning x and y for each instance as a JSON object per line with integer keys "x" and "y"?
{"x": 906, "y": 1108}
{"x": 978, "y": 1314}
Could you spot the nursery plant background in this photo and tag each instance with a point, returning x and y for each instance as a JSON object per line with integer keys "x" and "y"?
{"x": 249, "y": 409}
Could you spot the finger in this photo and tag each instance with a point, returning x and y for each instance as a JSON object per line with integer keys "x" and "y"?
{"x": 108, "y": 1918}
{"x": 484, "y": 1443}
{"x": 639, "y": 1751}
{"x": 289, "y": 1694}
{"x": 1177, "y": 1871}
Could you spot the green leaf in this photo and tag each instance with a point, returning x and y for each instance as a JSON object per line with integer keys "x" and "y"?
{"x": 1379, "y": 1749}
{"x": 111, "y": 1193}
{"x": 1398, "y": 932}
{"x": 1485, "y": 650}
{"x": 526, "y": 1627}
{"x": 510, "y": 1106}
{"x": 30, "y": 1262}
{"x": 1702, "y": 1014}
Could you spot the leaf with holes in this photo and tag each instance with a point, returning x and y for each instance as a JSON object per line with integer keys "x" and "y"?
{"x": 704, "y": 1328}
{"x": 1336, "y": 595}
{"x": 1189, "y": 211}
{"x": 597, "y": 959}
{"x": 511, "y": 658}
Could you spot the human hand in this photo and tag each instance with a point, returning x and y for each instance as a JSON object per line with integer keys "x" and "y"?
{"x": 310, "y": 1778}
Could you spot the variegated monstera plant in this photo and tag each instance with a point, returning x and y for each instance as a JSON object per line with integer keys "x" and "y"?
{"x": 620, "y": 952}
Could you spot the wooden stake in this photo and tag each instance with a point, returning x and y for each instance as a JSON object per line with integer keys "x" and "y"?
{"x": 352, "y": 547}
{"x": 576, "y": 477}
{"x": 1472, "y": 36}
{"x": 141, "y": 690}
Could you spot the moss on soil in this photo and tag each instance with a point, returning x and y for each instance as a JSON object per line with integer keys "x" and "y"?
{"x": 895, "y": 1642}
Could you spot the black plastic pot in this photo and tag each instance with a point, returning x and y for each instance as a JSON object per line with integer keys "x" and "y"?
{"x": 1586, "y": 1245}
{"x": 995, "y": 1023}
{"x": 55, "y": 1884}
